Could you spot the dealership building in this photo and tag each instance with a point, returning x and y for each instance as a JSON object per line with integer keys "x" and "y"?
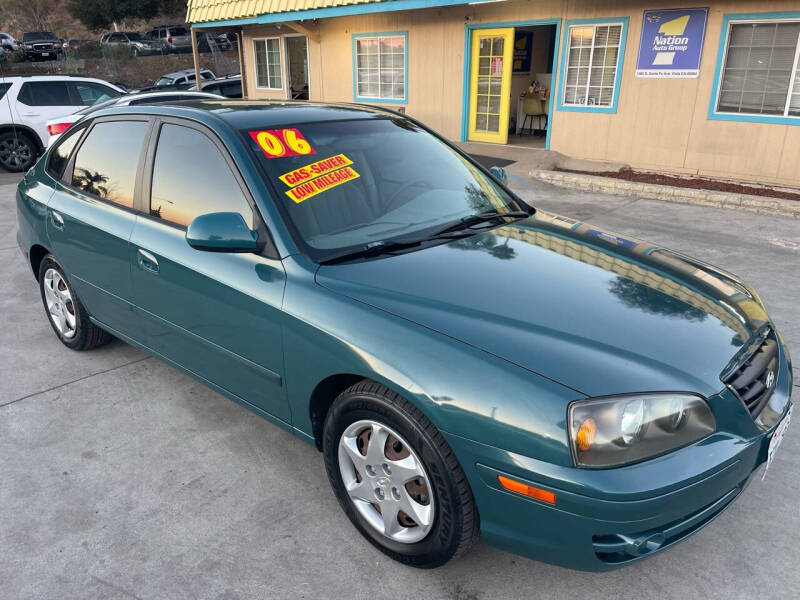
{"x": 710, "y": 90}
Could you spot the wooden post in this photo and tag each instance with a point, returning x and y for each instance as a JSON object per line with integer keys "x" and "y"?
{"x": 196, "y": 56}
{"x": 240, "y": 41}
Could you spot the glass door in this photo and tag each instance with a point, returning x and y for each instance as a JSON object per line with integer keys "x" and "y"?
{"x": 490, "y": 84}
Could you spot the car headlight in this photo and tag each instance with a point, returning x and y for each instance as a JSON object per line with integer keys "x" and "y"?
{"x": 614, "y": 431}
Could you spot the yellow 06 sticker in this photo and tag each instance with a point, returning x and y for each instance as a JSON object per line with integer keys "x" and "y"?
{"x": 304, "y": 191}
{"x": 315, "y": 169}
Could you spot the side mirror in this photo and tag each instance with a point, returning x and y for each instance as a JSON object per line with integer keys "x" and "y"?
{"x": 221, "y": 232}
{"x": 499, "y": 174}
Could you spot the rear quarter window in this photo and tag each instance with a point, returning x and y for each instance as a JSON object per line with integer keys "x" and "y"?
{"x": 59, "y": 156}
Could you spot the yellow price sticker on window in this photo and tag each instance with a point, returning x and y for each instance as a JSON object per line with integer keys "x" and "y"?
{"x": 306, "y": 190}
{"x": 321, "y": 167}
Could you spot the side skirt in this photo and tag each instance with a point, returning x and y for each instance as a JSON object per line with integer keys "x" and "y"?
{"x": 238, "y": 399}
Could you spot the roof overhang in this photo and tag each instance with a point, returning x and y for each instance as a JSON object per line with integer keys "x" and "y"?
{"x": 230, "y": 13}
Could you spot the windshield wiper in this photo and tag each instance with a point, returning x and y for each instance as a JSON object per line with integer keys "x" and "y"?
{"x": 372, "y": 249}
{"x": 471, "y": 220}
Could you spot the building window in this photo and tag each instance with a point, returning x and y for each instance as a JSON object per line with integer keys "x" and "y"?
{"x": 760, "y": 74}
{"x": 592, "y": 65}
{"x": 268, "y": 63}
{"x": 380, "y": 67}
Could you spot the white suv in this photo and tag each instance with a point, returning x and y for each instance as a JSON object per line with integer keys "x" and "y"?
{"x": 29, "y": 102}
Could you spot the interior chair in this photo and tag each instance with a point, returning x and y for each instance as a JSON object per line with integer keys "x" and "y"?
{"x": 533, "y": 107}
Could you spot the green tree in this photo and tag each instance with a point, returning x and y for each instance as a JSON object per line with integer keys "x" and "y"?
{"x": 99, "y": 14}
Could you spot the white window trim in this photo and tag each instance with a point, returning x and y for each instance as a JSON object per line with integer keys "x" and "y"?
{"x": 724, "y": 62}
{"x": 620, "y": 50}
{"x": 255, "y": 62}
{"x": 379, "y": 36}
{"x": 285, "y": 49}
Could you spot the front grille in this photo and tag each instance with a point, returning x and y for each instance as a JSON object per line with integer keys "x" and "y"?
{"x": 43, "y": 46}
{"x": 754, "y": 380}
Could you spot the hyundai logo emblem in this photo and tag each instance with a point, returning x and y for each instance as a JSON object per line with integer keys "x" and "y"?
{"x": 770, "y": 379}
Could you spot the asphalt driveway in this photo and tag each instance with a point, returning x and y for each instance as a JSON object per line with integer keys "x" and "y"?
{"x": 123, "y": 478}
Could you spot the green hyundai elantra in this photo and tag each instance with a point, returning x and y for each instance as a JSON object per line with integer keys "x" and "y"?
{"x": 465, "y": 363}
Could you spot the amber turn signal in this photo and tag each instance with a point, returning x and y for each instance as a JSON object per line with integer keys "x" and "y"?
{"x": 527, "y": 490}
{"x": 586, "y": 433}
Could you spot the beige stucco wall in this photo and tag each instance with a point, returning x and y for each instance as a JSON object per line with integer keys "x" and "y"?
{"x": 659, "y": 125}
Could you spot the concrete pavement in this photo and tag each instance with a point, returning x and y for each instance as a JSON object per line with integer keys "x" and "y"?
{"x": 122, "y": 478}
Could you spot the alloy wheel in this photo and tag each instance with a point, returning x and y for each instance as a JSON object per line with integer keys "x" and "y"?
{"x": 15, "y": 154}
{"x": 60, "y": 304}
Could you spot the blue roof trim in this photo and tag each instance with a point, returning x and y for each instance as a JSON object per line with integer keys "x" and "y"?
{"x": 333, "y": 11}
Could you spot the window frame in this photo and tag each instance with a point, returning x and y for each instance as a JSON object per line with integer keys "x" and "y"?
{"x": 728, "y": 20}
{"x": 143, "y": 207}
{"x": 354, "y": 57}
{"x": 66, "y": 176}
{"x": 562, "y": 75}
{"x": 280, "y": 66}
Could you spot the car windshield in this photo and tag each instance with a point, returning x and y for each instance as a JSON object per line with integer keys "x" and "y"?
{"x": 135, "y": 36}
{"x": 38, "y": 35}
{"x": 346, "y": 185}
{"x": 164, "y": 81}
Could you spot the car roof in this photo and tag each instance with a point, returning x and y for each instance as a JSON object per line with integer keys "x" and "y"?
{"x": 183, "y": 72}
{"x": 248, "y": 114}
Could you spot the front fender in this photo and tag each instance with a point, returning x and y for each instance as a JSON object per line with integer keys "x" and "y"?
{"x": 462, "y": 390}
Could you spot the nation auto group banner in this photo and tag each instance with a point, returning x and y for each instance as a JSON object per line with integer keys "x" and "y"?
{"x": 672, "y": 42}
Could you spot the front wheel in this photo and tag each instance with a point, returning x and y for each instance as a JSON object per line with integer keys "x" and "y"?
{"x": 396, "y": 477}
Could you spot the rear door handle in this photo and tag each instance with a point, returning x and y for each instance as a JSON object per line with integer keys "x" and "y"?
{"x": 58, "y": 220}
{"x": 147, "y": 261}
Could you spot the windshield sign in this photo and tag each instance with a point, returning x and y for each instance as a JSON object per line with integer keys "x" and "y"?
{"x": 351, "y": 184}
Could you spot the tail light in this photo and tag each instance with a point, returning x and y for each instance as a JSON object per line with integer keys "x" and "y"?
{"x": 169, "y": 40}
{"x": 57, "y": 128}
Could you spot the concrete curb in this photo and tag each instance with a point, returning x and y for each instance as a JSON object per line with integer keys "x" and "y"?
{"x": 651, "y": 191}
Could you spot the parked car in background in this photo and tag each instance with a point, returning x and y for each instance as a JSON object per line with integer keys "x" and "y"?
{"x": 7, "y": 42}
{"x": 173, "y": 38}
{"x": 137, "y": 43}
{"x": 465, "y": 362}
{"x": 31, "y": 101}
{"x": 179, "y": 80}
{"x": 230, "y": 86}
{"x": 208, "y": 42}
{"x": 75, "y": 44}
{"x": 58, "y": 126}
{"x": 40, "y": 45}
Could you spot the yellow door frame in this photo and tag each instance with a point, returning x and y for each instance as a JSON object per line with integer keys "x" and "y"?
{"x": 501, "y": 136}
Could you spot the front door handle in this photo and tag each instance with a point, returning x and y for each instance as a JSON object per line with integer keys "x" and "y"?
{"x": 147, "y": 261}
{"x": 58, "y": 220}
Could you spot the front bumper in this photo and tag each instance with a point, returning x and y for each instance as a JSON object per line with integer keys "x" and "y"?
{"x": 603, "y": 519}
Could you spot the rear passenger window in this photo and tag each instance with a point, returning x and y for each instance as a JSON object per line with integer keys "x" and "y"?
{"x": 87, "y": 93}
{"x": 191, "y": 177}
{"x": 60, "y": 154}
{"x": 44, "y": 93}
{"x": 106, "y": 163}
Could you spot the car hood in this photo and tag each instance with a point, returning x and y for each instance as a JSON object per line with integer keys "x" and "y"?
{"x": 593, "y": 310}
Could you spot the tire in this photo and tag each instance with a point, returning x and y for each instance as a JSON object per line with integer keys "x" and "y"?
{"x": 442, "y": 499}
{"x": 68, "y": 318}
{"x": 17, "y": 151}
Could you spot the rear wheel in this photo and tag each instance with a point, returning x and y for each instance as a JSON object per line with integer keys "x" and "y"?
{"x": 396, "y": 477}
{"x": 17, "y": 151}
{"x": 66, "y": 314}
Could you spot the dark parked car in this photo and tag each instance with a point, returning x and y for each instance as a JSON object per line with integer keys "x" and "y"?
{"x": 208, "y": 42}
{"x": 40, "y": 45}
{"x": 230, "y": 86}
{"x": 137, "y": 43}
{"x": 465, "y": 362}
